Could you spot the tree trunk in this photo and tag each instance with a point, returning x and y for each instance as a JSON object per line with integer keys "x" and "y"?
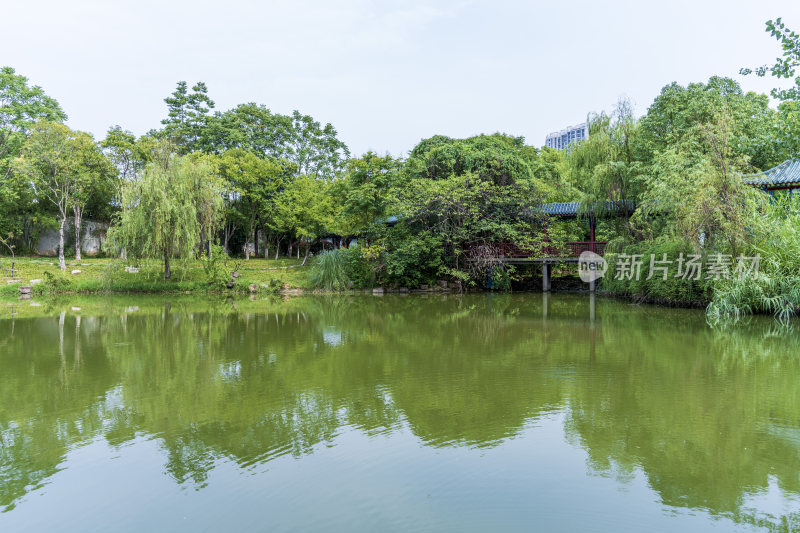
{"x": 78, "y": 224}
{"x": 62, "y": 264}
{"x": 308, "y": 247}
{"x": 167, "y": 272}
{"x": 298, "y": 249}
{"x": 277, "y": 248}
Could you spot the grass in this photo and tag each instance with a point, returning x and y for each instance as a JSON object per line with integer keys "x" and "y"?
{"x": 328, "y": 271}
{"x": 107, "y": 275}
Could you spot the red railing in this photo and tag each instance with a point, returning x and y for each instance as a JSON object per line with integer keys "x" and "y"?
{"x": 571, "y": 249}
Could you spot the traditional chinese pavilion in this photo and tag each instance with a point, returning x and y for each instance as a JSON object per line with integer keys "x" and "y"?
{"x": 782, "y": 179}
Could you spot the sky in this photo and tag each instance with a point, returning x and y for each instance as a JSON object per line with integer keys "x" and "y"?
{"x": 385, "y": 74}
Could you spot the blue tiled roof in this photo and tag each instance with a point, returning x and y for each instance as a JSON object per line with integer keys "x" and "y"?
{"x": 787, "y": 173}
{"x": 573, "y": 209}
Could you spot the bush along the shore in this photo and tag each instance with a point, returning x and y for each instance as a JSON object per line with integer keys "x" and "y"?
{"x": 676, "y": 289}
{"x": 775, "y": 239}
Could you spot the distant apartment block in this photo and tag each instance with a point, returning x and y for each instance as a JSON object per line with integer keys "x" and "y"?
{"x": 571, "y": 134}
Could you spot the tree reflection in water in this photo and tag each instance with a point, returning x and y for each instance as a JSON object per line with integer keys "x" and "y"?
{"x": 709, "y": 415}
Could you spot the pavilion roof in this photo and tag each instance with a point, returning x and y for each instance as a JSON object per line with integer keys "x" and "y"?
{"x": 600, "y": 209}
{"x": 785, "y": 174}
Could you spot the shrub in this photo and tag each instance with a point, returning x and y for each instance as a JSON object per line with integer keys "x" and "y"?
{"x": 776, "y": 239}
{"x": 671, "y": 290}
{"x": 329, "y": 271}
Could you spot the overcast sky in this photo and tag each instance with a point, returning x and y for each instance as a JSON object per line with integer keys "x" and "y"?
{"x": 385, "y": 74}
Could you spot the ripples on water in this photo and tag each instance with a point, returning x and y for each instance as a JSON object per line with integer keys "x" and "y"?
{"x": 503, "y": 412}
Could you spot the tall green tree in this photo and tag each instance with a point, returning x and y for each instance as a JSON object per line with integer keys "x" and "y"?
{"x": 61, "y": 166}
{"x": 603, "y": 167}
{"x": 785, "y": 68}
{"x": 163, "y": 213}
{"x": 679, "y": 113}
{"x": 251, "y": 127}
{"x": 188, "y": 116}
{"x": 306, "y": 210}
{"x": 694, "y": 192}
{"x": 316, "y": 149}
{"x": 128, "y": 154}
{"x": 368, "y": 185}
{"x": 92, "y": 185}
{"x": 253, "y": 184}
{"x": 21, "y": 105}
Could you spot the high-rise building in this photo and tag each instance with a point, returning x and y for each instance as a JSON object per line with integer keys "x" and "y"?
{"x": 571, "y": 134}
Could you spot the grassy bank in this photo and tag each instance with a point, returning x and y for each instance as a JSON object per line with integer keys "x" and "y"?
{"x": 109, "y": 276}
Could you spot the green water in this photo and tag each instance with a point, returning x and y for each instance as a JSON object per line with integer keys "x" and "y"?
{"x": 475, "y": 413}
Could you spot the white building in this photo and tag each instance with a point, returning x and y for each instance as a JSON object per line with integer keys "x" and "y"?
{"x": 561, "y": 139}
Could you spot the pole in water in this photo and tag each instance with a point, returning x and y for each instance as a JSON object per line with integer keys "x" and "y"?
{"x": 545, "y": 277}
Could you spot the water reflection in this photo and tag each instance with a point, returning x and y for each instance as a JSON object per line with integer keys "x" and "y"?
{"x": 710, "y": 416}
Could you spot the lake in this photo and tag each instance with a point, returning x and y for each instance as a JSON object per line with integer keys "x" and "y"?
{"x": 485, "y": 412}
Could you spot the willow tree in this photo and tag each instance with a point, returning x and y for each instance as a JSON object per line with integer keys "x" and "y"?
{"x": 166, "y": 213}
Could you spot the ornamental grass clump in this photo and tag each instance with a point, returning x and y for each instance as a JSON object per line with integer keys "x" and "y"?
{"x": 776, "y": 289}
{"x": 329, "y": 271}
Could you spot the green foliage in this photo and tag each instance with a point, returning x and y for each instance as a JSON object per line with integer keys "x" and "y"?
{"x": 329, "y": 271}
{"x": 314, "y": 149}
{"x": 694, "y": 193}
{"x": 603, "y": 166}
{"x": 21, "y": 105}
{"x": 187, "y": 116}
{"x": 250, "y": 127}
{"x": 447, "y": 219}
{"x": 365, "y": 264}
{"x": 55, "y": 282}
{"x": 500, "y": 159}
{"x": 776, "y": 240}
{"x": 784, "y": 67}
{"x": 367, "y": 185}
{"x": 164, "y": 214}
{"x": 678, "y": 115}
{"x": 252, "y": 187}
{"x": 673, "y": 290}
{"x": 66, "y": 169}
{"x": 415, "y": 257}
{"x": 305, "y": 208}
{"x": 500, "y": 277}
{"x": 214, "y": 269}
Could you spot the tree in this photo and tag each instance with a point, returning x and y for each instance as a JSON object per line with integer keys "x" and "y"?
{"x": 678, "y": 113}
{"x": 368, "y": 181}
{"x": 58, "y": 162}
{"x": 21, "y": 105}
{"x": 187, "y": 116}
{"x": 788, "y": 130}
{"x": 784, "y": 67}
{"x": 306, "y": 209}
{"x": 316, "y": 150}
{"x": 252, "y": 186}
{"x": 91, "y": 183}
{"x": 128, "y": 154}
{"x": 694, "y": 192}
{"x": 164, "y": 213}
{"x": 603, "y": 166}
{"x": 251, "y": 127}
